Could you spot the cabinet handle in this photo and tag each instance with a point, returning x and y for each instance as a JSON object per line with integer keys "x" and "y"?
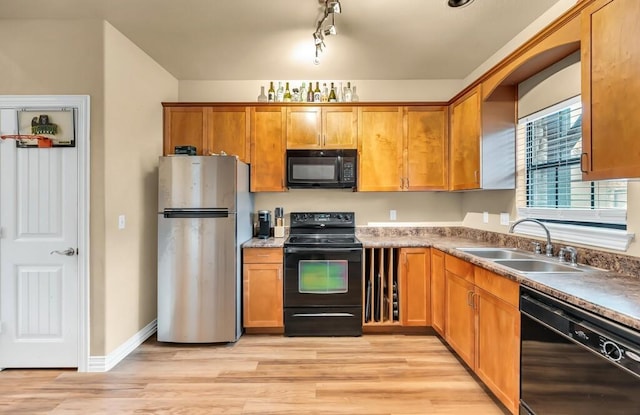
{"x": 470, "y": 299}
{"x": 475, "y": 175}
{"x": 407, "y": 187}
{"x": 582, "y": 168}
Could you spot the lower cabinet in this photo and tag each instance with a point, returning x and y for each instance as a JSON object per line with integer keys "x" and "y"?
{"x": 482, "y": 324}
{"x": 415, "y": 270}
{"x": 262, "y": 287}
{"x": 437, "y": 291}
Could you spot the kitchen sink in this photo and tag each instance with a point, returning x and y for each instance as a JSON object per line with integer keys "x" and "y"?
{"x": 496, "y": 253}
{"x": 536, "y": 265}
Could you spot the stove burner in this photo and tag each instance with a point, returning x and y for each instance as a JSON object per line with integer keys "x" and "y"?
{"x": 321, "y": 239}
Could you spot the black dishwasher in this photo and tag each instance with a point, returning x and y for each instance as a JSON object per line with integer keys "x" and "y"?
{"x": 575, "y": 362}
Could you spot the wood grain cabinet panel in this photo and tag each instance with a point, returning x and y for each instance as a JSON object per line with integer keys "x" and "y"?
{"x": 415, "y": 286}
{"x": 380, "y": 149}
{"x": 425, "y": 164}
{"x": 610, "y": 89}
{"x": 460, "y": 317}
{"x": 268, "y": 149}
{"x": 262, "y": 287}
{"x": 228, "y": 131}
{"x": 185, "y": 126}
{"x": 465, "y": 118}
{"x": 438, "y": 320}
{"x": 322, "y": 127}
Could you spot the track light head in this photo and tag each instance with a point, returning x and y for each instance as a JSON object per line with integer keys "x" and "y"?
{"x": 459, "y": 3}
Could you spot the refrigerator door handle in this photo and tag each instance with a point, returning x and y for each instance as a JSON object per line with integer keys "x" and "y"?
{"x": 196, "y": 213}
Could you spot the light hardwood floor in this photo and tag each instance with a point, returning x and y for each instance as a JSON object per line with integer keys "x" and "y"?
{"x": 261, "y": 374}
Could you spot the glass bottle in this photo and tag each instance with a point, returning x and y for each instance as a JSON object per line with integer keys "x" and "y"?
{"x": 324, "y": 97}
{"x": 340, "y": 93}
{"x": 271, "y": 95}
{"x": 280, "y": 93}
{"x": 310, "y": 93}
{"x": 332, "y": 94}
{"x": 354, "y": 95}
{"x": 316, "y": 93}
{"x": 286, "y": 97}
{"x": 347, "y": 93}
{"x": 262, "y": 97}
{"x": 303, "y": 93}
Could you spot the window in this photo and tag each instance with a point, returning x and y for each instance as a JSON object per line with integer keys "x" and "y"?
{"x": 550, "y": 185}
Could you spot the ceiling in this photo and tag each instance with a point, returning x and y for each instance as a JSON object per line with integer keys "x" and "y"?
{"x": 272, "y": 39}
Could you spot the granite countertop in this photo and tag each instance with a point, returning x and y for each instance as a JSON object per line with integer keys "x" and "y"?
{"x": 606, "y": 293}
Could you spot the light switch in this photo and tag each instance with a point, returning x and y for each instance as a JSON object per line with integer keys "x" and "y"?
{"x": 485, "y": 217}
{"x": 121, "y": 222}
{"x": 392, "y": 214}
{"x": 504, "y": 218}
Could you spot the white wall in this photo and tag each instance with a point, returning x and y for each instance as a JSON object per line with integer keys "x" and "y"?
{"x": 134, "y": 86}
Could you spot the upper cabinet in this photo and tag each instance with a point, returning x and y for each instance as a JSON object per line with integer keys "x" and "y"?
{"x": 184, "y": 126}
{"x": 402, "y": 148}
{"x": 267, "y": 149}
{"x": 380, "y": 149}
{"x": 211, "y": 129}
{"x": 322, "y": 127}
{"x": 610, "y": 88}
{"x": 425, "y": 150}
{"x": 228, "y": 131}
{"x": 483, "y": 140}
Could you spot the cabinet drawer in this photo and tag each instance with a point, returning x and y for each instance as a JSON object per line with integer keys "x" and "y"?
{"x": 502, "y": 287}
{"x": 459, "y": 267}
{"x": 262, "y": 255}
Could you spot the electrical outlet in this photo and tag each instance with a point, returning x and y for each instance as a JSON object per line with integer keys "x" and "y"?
{"x": 121, "y": 222}
{"x": 485, "y": 217}
{"x": 504, "y": 218}
{"x": 392, "y": 214}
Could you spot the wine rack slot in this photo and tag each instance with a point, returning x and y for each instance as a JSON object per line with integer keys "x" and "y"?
{"x": 380, "y": 286}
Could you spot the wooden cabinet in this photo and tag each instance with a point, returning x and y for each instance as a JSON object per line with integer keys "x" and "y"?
{"x": 425, "y": 148}
{"x": 610, "y": 48}
{"x": 380, "y": 149}
{"x": 322, "y": 127}
{"x": 228, "y": 131}
{"x": 498, "y": 336}
{"x": 402, "y": 148}
{"x": 262, "y": 287}
{"x": 268, "y": 149}
{"x": 483, "y": 326}
{"x": 437, "y": 291}
{"x": 465, "y": 118}
{"x": 415, "y": 286}
{"x": 185, "y": 126}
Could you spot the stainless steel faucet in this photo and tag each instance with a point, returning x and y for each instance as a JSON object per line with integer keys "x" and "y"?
{"x": 549, "y": 247}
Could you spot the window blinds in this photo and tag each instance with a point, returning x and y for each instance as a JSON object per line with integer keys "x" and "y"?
{"x": 550, "y": 186}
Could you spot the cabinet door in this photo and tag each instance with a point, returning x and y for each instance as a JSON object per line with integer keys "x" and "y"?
{"x": 184, "y": 126}
{"x": 415, "y": 287}
{"x": 426, "y": 148}
{"x": 380, "y": 148}
{"x": 498, "y": 347}
{"x": 267, "y": 149}
{"x": 229, "y": 131}
{"x": 464, "y": 167}
{"x": 610, "y": 89}
{"x": 437, "y": 291}
{"x": 340, "y": 127}
{"x": 262, "y": 294}
{"x": 304, "y": 127}
{"x": 460, "y": 317}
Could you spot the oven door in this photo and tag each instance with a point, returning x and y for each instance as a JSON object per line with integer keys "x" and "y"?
{"x": 322, "y": 277}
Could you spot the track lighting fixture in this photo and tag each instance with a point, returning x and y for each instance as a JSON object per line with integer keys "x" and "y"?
{"x": 331, "y": 8}
{"x": 458, "y": 3}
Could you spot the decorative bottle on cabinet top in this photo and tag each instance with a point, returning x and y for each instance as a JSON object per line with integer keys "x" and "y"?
{"x": 262, "y": 97}
{"x": 271, "y": 95}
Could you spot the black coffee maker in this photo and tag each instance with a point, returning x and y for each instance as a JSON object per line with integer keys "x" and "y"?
{"x": 264, "y": 224}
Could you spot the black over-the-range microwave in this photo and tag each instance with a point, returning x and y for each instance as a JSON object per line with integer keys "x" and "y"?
{"x": 327, "y": 169}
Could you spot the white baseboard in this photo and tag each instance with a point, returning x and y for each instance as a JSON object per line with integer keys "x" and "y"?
{"x": 106, "y": 363}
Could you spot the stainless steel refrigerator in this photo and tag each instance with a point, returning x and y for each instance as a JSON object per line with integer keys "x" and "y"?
{"x": 204, "y": 215}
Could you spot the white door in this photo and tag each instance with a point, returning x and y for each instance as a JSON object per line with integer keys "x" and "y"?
{"x": 39, "y": 290}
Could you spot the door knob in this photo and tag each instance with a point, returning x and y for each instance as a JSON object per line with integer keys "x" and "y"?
{"x": 67, "y": 252}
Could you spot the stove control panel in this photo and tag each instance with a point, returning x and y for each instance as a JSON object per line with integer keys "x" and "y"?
{"x": 323, "y": 219}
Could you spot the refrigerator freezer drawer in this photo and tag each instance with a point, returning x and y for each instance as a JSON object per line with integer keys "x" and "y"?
{"x": 197, "y": 290}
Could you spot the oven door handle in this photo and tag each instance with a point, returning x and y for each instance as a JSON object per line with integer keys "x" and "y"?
{"x": 292, "y": 250}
